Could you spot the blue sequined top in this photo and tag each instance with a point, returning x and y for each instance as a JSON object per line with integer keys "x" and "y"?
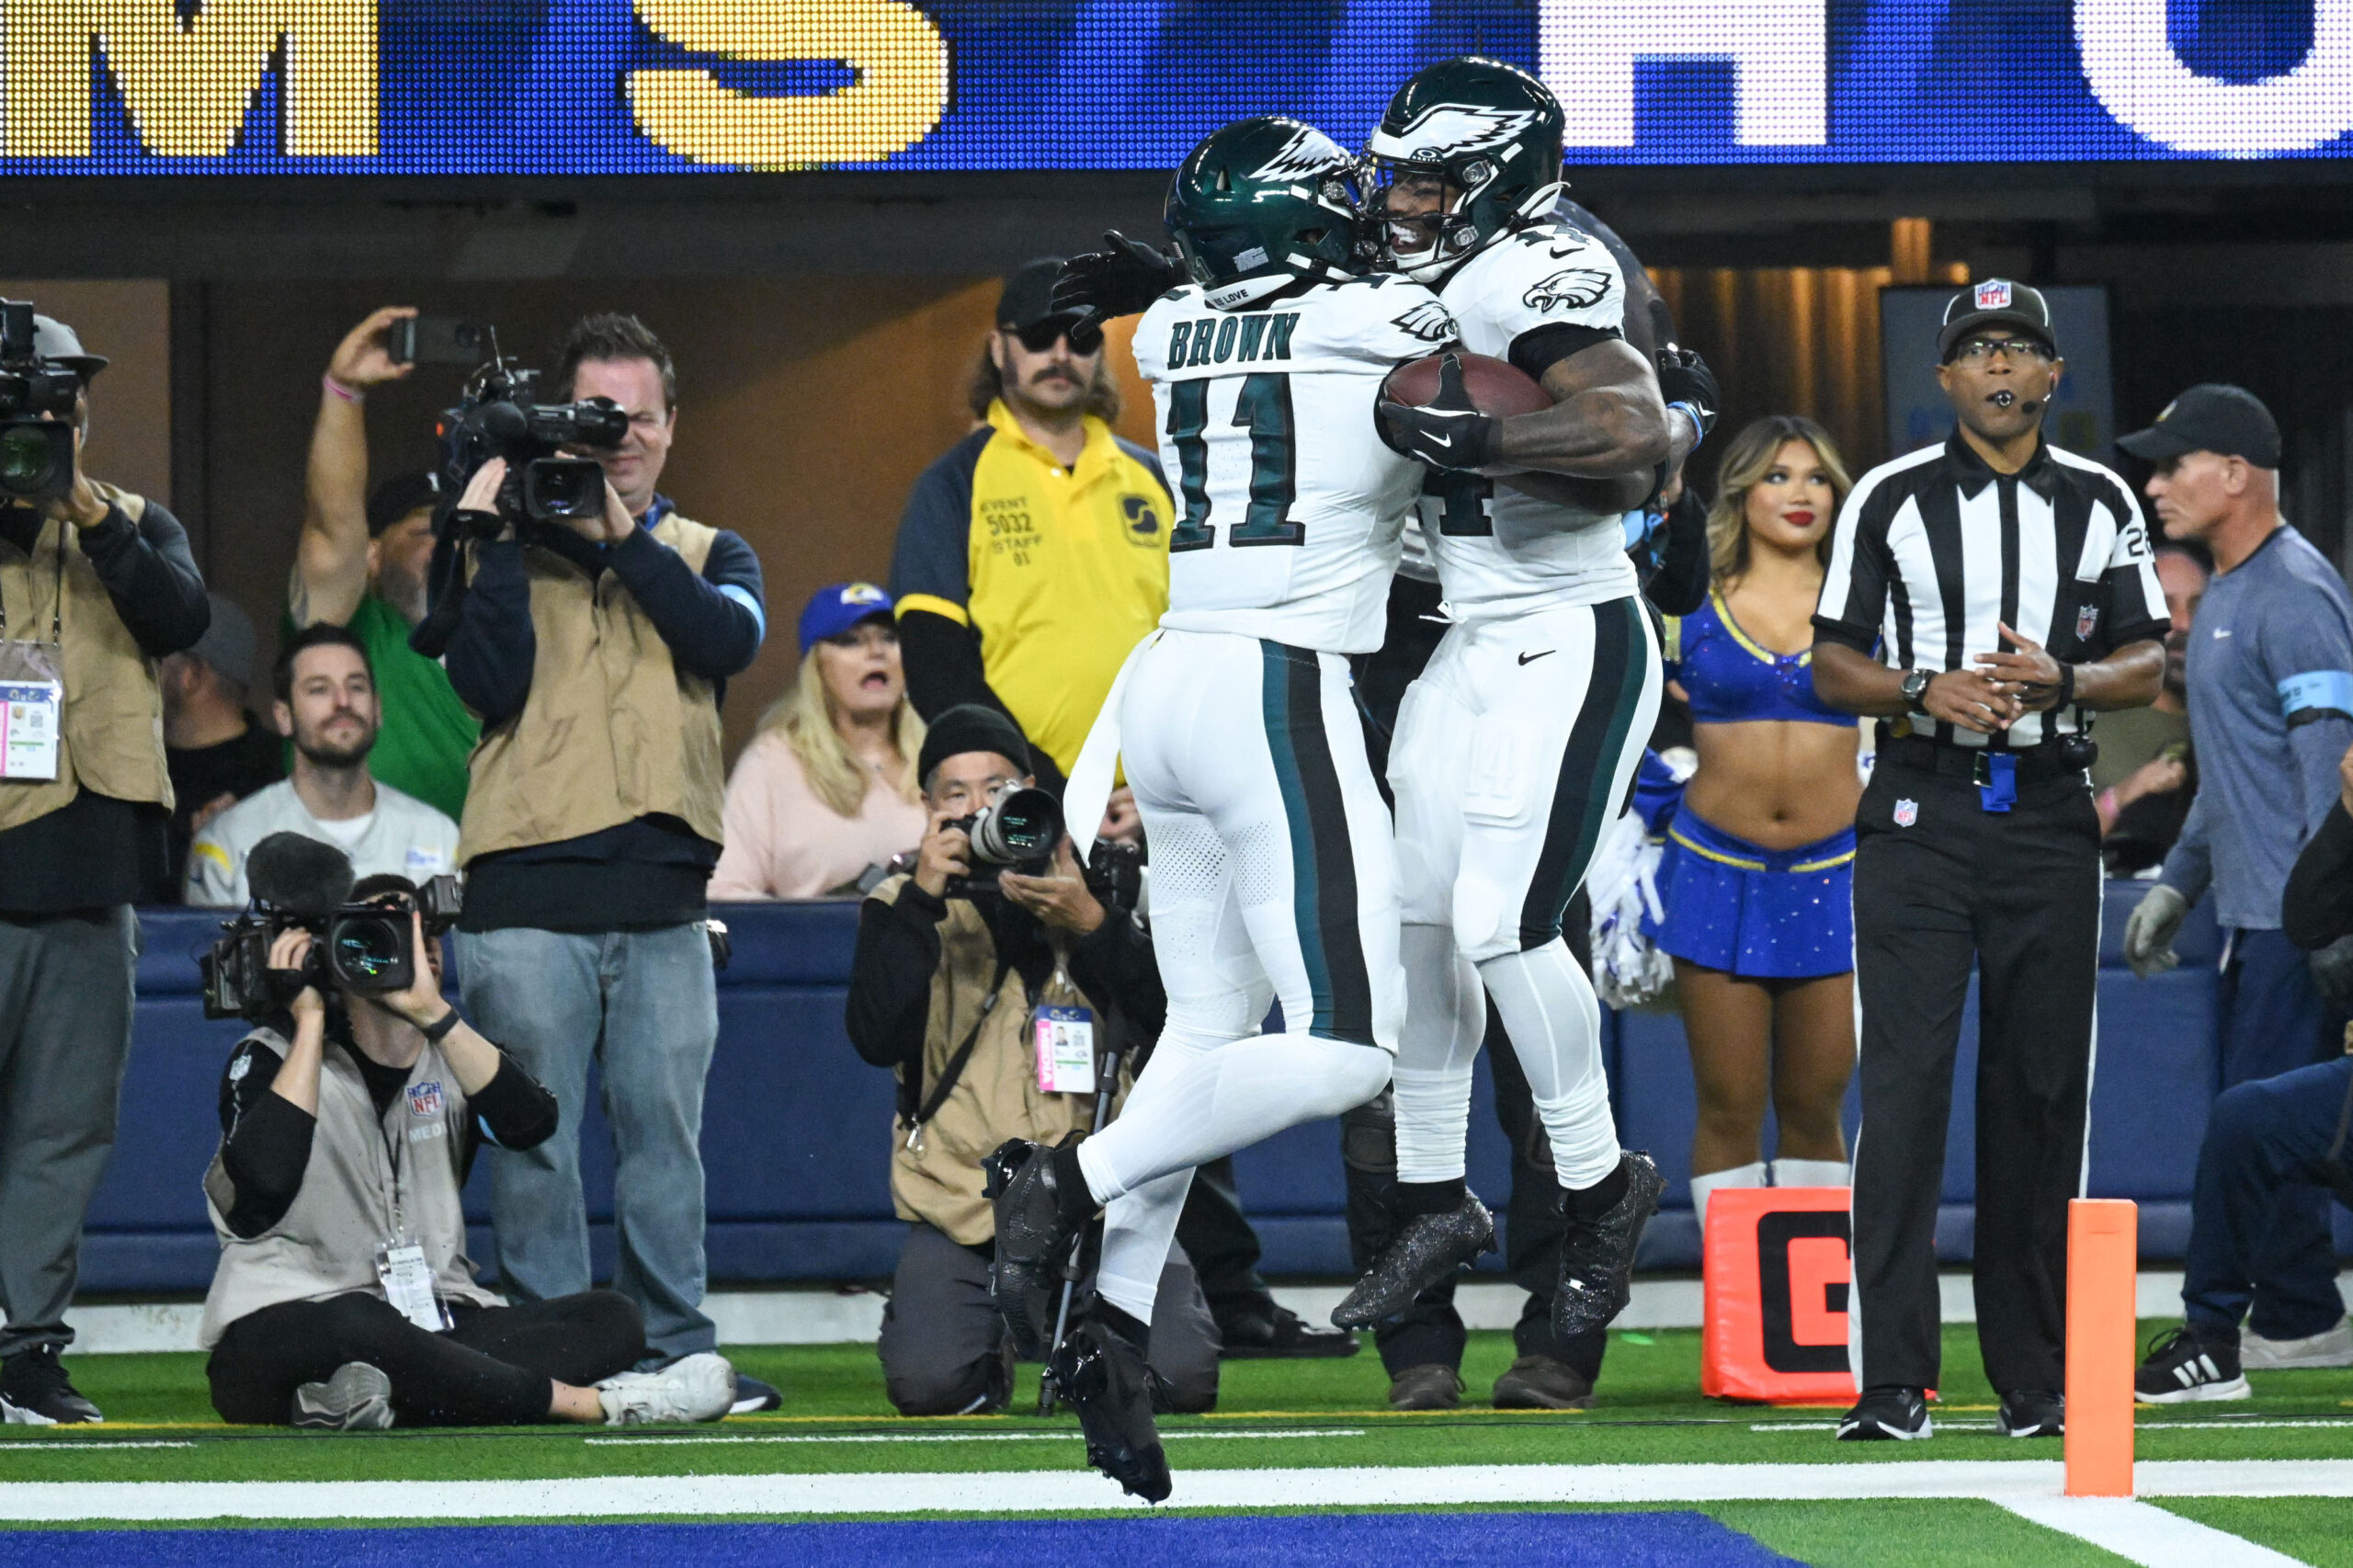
{"x": 1734, "y": 679}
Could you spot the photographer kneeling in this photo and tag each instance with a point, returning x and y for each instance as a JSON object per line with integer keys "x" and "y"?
{"x": 343, "y": 1300}
{"x": 952, "y": 981}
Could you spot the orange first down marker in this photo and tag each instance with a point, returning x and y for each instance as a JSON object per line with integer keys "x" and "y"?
{"x": 2103, "y": 1256}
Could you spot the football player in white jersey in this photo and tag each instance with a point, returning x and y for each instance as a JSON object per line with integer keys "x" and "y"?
{"x": 1273, "y": 861}
{"x": 1516, "y": 745}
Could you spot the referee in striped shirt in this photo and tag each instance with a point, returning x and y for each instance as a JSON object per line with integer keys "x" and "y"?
{"x": 1983, "y": 597}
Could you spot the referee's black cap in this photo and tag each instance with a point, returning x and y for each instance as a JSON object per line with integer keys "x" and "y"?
{"x": 1996, "y": 300}
{"x": 2209, "y": 417}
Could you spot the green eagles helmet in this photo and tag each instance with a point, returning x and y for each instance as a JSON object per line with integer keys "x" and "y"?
{"x": 1264, "y": 203}
{"x": 1493, "y": 132}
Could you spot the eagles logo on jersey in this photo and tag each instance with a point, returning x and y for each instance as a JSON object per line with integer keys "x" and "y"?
{"x": 1571, "y": 288}
{"x": 1430, "y": 322}
{"x": 1492, "y": 132}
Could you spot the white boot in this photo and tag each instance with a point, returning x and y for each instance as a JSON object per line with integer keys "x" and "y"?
{"x": 1749, "y": 1174}
{"x": 693, "y": 1388}
{"x": 1810, "y": 1173}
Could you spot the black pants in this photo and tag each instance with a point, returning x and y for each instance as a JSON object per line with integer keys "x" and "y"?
{"x": 1943, "y": 886}
{"x": 494, "y": 1368}
{"x": 1216, "y": 1235}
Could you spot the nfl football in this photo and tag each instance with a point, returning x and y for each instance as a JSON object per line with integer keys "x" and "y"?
{"x": 1496, "y": 386}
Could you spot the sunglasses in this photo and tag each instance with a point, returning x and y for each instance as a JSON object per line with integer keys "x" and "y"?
{"x": 1039, "y": 336}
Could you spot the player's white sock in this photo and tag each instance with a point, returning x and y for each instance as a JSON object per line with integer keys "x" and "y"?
{"x": 1808, "y": 1173}
{"x": 1547, "y": 1005}
{"x": 1138, "y": 1228}
{"x": 1749, "y": 1174}
{"x": 1446, "y": 1018}
{"x": 1195, "y": 1103}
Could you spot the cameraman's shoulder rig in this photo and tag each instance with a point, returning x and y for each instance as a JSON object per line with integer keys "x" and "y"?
{"x": 111, "y": 722}
{"x": 613, "y": 730}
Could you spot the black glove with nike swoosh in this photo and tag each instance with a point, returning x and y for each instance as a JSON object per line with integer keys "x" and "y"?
{"x": 1684, "y": 378}
{"x": 1450, "y": 432}
{"x": 1124, "y": 280}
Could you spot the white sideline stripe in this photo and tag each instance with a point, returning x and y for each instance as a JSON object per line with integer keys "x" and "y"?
{"x": 2341, "y": 1425}
{"x": 2143, "y": 1533}
{"x": 18, "y": 1446}
{"x": 829, "y": 1317}
{"x": 948, "y": 1437}
{"x": 1078, "y": 1491}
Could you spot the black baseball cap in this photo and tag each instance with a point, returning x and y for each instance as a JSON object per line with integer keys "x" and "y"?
{"x": 968, "y": 726}
{"x": 2209, "y": 417}
{"x": 1027, "y": 302}
{"x": 1996, "y": 300}
{"x": 400, "y": 495}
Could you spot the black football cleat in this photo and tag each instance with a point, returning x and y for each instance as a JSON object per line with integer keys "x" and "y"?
{"x": 1103, "y": 1377}
{"x": 1597, "y": 1256}
{"x": 1887, "y": 1413}
{"x": 1429, "y": 1249}
{"x": 1033, "y": 1242}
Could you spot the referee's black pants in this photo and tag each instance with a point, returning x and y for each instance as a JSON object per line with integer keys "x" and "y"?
{"x": 2016, "y": 896}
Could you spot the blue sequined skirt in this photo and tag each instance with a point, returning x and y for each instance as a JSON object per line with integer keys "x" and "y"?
{"x": 1757, "y": 913}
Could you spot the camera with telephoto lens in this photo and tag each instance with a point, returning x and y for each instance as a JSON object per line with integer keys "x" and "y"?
{"x": 1017, "y": 833}
{"x": 499, "y": 416}
{"x": 354, "y": 946}
{"x": 36, "y": 453}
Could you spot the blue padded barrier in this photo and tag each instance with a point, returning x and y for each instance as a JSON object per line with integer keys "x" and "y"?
{"x": 796, "y": 1128}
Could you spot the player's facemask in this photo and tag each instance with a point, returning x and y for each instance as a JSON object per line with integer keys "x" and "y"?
{"x": 1424, "y": 244}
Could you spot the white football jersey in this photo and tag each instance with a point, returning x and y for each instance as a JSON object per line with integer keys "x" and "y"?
{"x": 1289, "y": 505}
{"x": 1499, "y": 552}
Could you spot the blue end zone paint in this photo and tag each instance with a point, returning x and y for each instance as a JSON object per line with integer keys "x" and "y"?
{"x": 1345, "y": 1540}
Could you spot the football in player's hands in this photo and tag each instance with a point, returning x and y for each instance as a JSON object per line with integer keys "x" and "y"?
{"x": 1448, "y": 410}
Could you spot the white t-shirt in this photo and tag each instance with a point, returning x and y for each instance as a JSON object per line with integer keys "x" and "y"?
{"x": 1290, "y": 506}
{"x": 1499, "y": 552}
{"x": 403, "y": 837}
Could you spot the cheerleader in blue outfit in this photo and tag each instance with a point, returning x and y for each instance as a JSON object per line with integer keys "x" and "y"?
{"x": 1756, "y": 875}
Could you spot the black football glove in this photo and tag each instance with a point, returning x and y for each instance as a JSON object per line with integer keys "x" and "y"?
{"x": 1448, "y": 432}
{"x": 1684, "y": 378}
{"x": 1122, "y": 281}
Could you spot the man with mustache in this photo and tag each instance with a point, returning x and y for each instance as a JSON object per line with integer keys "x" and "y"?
{"x": 327, "y": 707}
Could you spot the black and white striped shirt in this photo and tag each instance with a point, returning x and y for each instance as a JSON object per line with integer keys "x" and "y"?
{"x": 1933, "y": 549}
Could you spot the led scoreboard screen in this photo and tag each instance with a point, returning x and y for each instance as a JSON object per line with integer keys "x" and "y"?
{"x": 675, "y": 86}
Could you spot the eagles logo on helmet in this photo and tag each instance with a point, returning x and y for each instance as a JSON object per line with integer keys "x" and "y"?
{"x": 1492, "y": 133}
{"x": 1262, "y": 204}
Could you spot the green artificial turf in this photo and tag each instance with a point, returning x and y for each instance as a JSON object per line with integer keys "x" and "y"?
{"x": 1934, "y": 1532}
{"x": 2318, "y": 1530}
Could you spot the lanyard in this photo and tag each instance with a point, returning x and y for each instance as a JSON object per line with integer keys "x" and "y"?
{"x": 57, "y": 602}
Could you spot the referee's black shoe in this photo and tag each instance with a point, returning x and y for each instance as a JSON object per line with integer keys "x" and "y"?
{"x": 1042, "y": 1204}
{"x": 1597, "y": 1250}
{"x": 1887, "y": 1413}
{"x": 2033, "y": 1413}
{"x": 1430, "y": 1248}
{"x": 2187, "y": 1365}
{"x": 1100, "y": 1370}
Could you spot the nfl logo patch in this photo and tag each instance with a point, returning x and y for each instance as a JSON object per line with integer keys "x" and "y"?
{"x": 1994, "y": 295}
{"x": 424, "y": 1099}
{"x": 2086, "y": 619}
{"x": 1906, "y": 813}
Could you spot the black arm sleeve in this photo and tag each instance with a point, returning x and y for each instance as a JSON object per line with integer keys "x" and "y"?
{"x": 152, "y": 578}
{"x": 1114, "y": 964}
{"x": 943, "y": 664}
{"x": 1537, "y": 350}
{"x": 265, "y": 1141}
{"x": 514, "y": 1108}
{"x": 711, "y": 633}
{"x": 2318, "y": 906}
{"x": 490, "y": 656}
{"x": 890, "y": 977}
{"x": 1680, "y": 584}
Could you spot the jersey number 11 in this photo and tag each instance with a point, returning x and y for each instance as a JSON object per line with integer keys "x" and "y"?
{"x": 1264, "y": 409}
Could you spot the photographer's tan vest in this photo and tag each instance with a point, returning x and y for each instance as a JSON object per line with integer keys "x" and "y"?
{"x": 612, "y": 730}
{"x": 325, "y": 1243}
{"x": 112, "y": 727}
{"x": 938, "y": 1179}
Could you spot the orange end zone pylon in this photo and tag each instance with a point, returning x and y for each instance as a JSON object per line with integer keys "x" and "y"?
{"x": 2103, "y": 1256}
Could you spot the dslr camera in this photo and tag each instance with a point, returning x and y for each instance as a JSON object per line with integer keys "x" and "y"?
{"x": 1018, "y": 835}
{"x": 499, "y": 416}
{"x": 354, "y": 946}
{"x": 36, "y": 453}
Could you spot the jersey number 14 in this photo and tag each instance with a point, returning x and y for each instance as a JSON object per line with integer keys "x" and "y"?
{"x": 1264, "y": 409}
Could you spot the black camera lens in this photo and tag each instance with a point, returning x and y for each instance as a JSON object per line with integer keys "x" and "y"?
{"x": 555, "y": 488}
{"x": 371, "y": 952}
{"x": 1018, "y": 830}
{"x": 36, "y": 459}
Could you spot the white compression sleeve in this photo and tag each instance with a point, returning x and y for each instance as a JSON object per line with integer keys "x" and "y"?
{"x": 1194, "y": 1103}
{"x": 1446, "y": 1020}
{"x": 1547, "y": 1005}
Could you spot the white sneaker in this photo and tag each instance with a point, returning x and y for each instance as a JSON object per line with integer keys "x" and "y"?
{"x": 358, "y": 1398}
{"x": 2334, "y": 1348}
{"x": 693, "y": 1388}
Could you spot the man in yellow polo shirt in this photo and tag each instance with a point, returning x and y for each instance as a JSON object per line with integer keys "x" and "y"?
{"x": 1034, "y": 554}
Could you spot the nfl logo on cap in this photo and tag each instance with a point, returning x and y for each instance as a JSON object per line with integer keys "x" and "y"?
{"x": 1994, "y": 295}
{"x": 1906, "y": 813}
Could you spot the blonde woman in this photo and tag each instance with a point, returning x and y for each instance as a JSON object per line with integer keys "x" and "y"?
{"x": 828, "y": 787}
{"x": 1756, "y": 877}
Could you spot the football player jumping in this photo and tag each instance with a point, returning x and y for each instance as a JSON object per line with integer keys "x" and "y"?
{"x": 1274, "y": 868}
{"x": 1516, "y": 745}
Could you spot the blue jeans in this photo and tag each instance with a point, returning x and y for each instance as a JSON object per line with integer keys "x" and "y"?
{"x": 2274, "y": 1021}
{"x": 644, "y": 1007}
{"x": 2260, "y": 1143}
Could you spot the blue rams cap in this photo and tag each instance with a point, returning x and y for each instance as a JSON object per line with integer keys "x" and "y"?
{"x": 838, "y": 607}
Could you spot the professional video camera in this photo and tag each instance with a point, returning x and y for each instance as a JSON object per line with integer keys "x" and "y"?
{"x": 36, "y": 453}
{"x": 498, "y": 415}
{"x": 300, "y": 883}
{"x": 1018, "y": 835}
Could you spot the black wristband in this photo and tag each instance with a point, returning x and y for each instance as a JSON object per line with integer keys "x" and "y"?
{"x": 2067, "y": 686}
{"x": 438, "y": 1030}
